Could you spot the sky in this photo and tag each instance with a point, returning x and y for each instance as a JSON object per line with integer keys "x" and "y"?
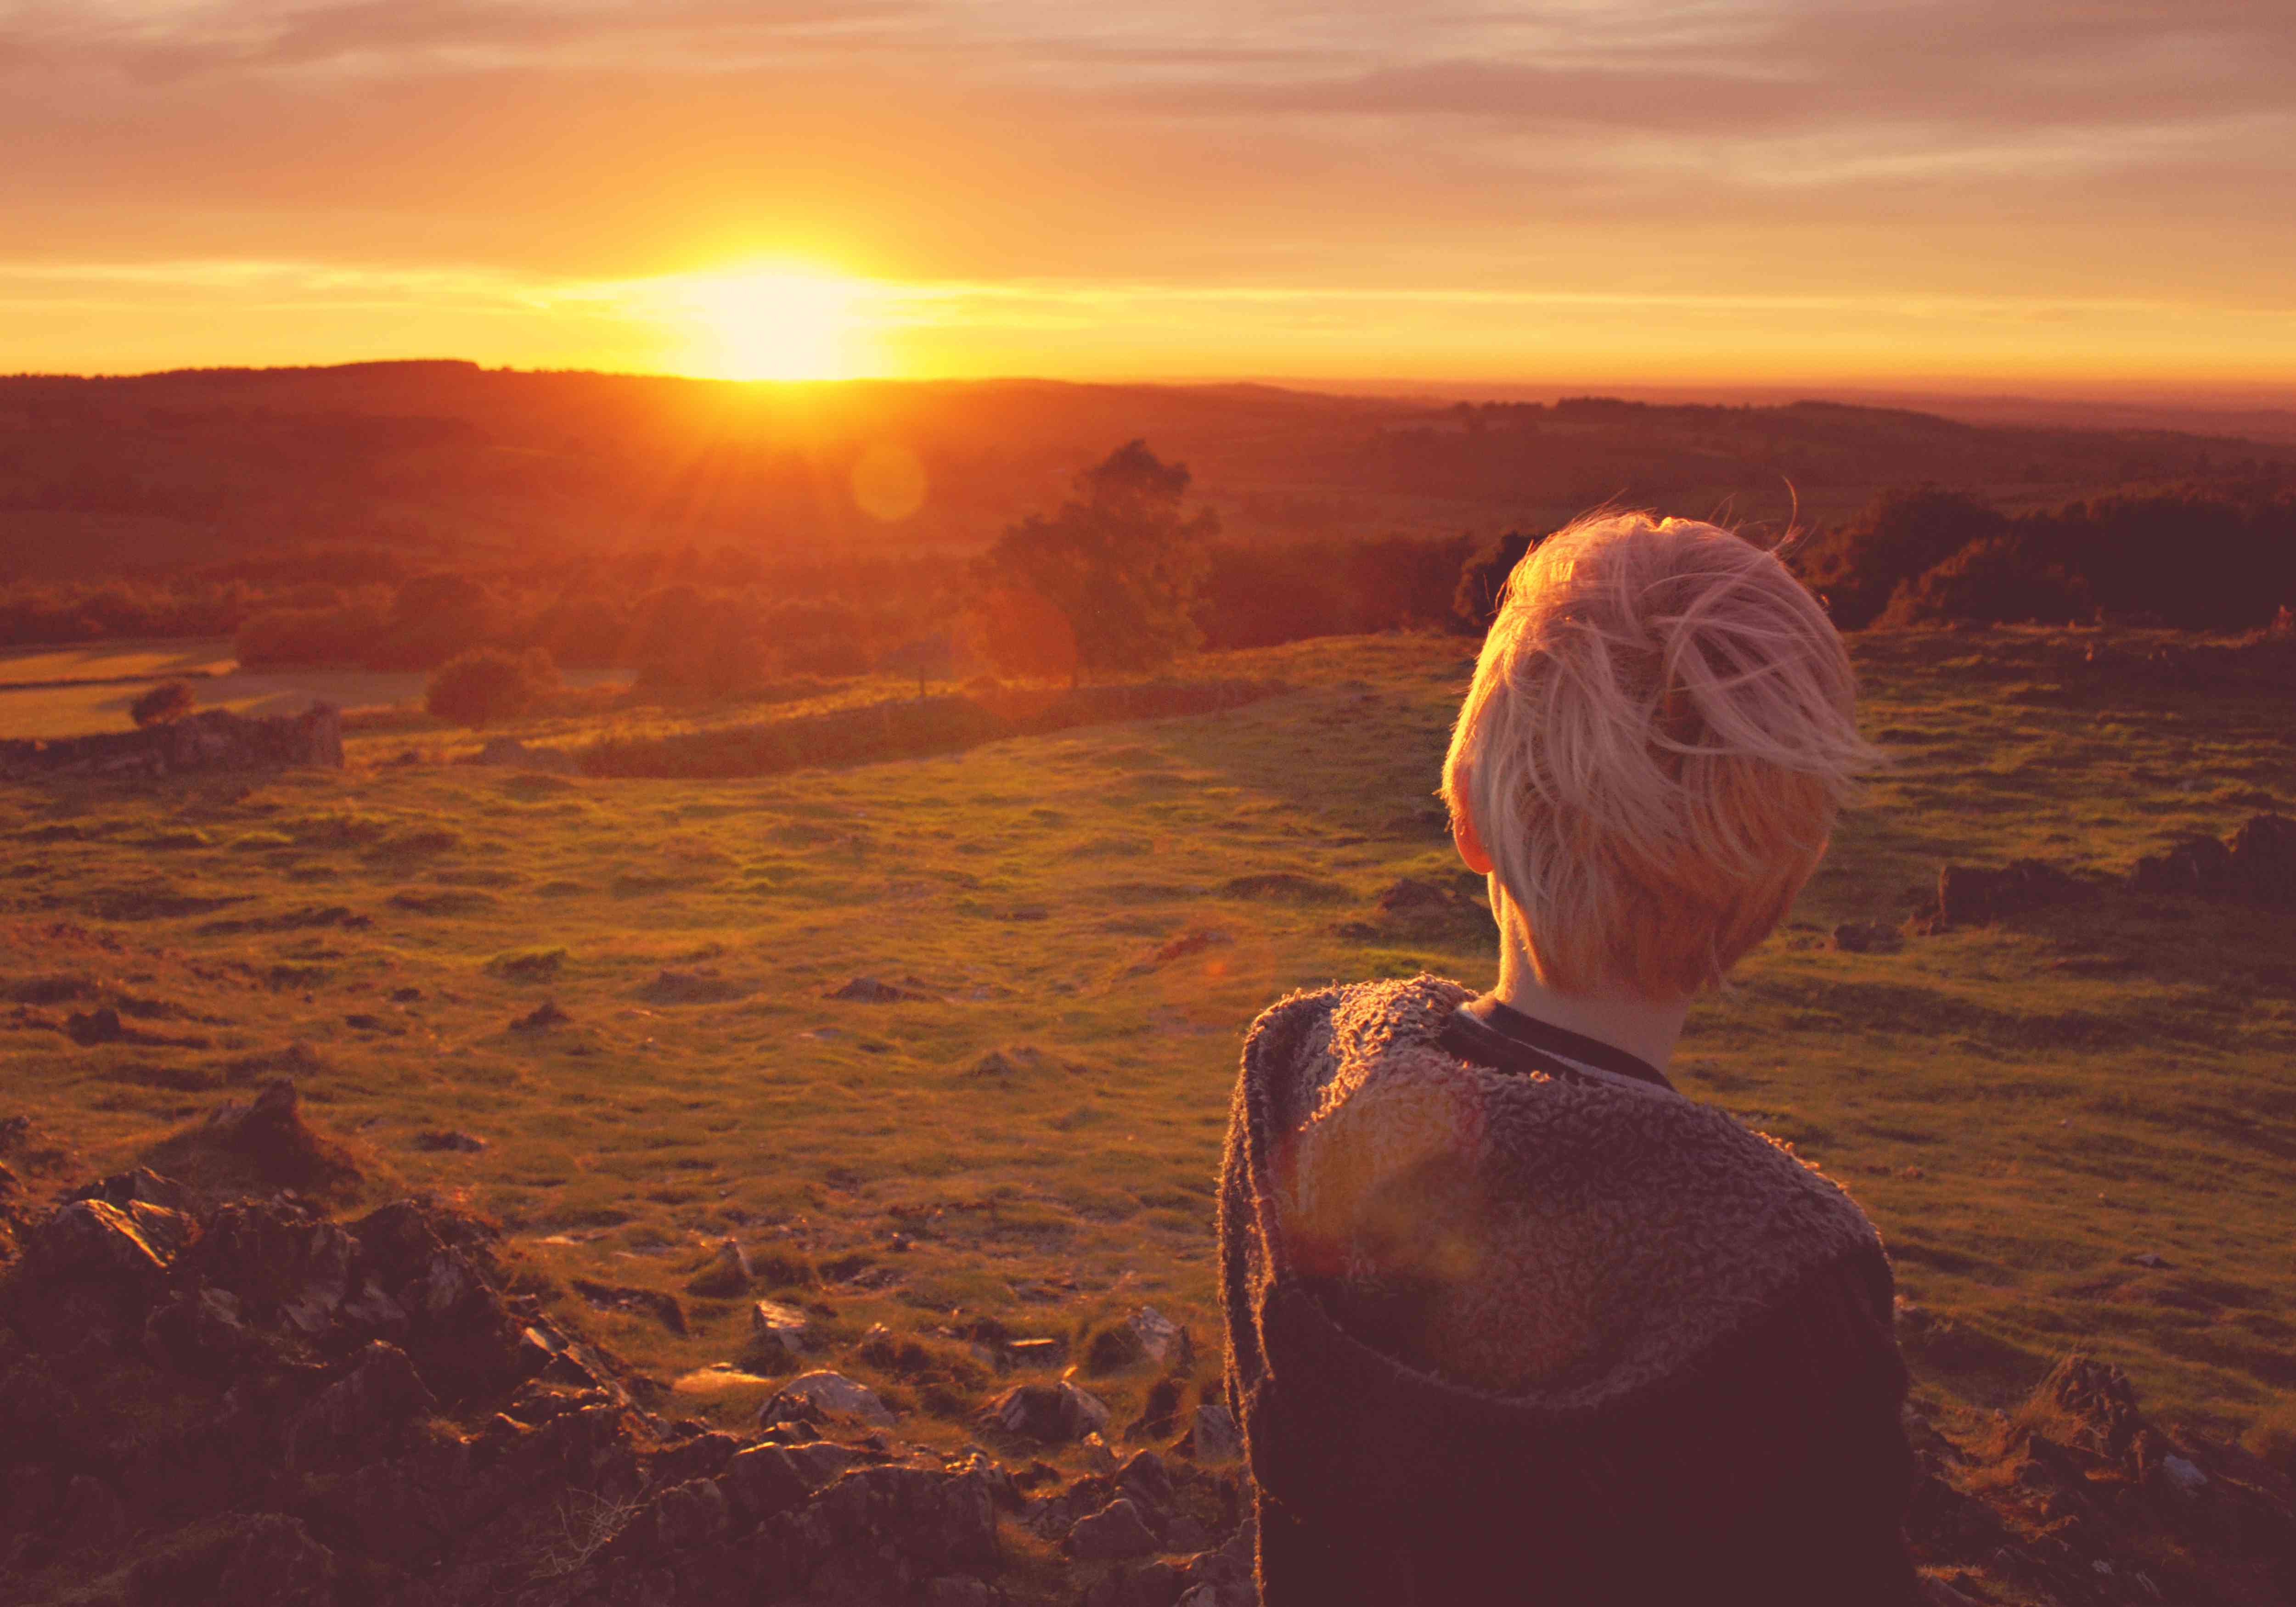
{"x": 2087, "y": 196}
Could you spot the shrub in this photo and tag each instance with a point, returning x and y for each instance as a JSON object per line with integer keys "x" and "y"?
{"x": 169, "y": 701}
{"x": 490, "y": 684}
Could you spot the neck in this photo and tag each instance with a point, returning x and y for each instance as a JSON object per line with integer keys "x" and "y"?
{"x": 1645, "y": 1028}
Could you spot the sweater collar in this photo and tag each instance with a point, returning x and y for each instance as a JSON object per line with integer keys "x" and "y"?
{"x": 1491, "y": 1034}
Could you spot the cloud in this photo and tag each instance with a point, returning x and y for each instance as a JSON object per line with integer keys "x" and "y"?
{"x": 2094, "y": 151}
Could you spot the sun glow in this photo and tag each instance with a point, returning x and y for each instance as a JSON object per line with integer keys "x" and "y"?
{"x": 773, "y": 324}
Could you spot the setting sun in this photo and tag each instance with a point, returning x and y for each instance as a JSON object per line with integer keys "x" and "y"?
{"x": 774, "y": 323}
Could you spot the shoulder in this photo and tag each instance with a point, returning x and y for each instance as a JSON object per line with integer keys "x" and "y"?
{"x": 1360, "y": 1017}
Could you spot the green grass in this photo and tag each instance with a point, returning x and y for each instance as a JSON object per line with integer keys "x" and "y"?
{"x": 2022, "y": 1108}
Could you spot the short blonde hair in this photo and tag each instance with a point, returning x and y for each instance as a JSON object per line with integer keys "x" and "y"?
{"x": 1661, "y": 728}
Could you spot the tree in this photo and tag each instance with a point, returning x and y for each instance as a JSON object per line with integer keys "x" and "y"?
{"x": 1120, "y": 562}
{"x": 1902, "y": 535}
{"x": 169, "y": 701}
{"x": 1484, "y": 576}
{"x": 490, "y": 684}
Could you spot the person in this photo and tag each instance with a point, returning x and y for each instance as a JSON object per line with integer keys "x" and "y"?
{"x": 1510, "y": 1318}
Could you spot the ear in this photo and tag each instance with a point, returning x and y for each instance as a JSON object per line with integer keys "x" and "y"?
{"x": 1464, "y": 838}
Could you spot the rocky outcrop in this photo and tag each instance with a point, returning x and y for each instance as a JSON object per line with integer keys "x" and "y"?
{"x": 255, "y": 1403}
{"x": 2077, "y": 1499}
{"x": 216, "y": 740}
{"x": 2255, "y": 865}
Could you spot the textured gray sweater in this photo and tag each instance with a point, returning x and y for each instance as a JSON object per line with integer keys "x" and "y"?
{"x": 1496, "y": 1335}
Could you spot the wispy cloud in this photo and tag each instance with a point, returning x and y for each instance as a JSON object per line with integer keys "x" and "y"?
{"x": 2079, "y": 153}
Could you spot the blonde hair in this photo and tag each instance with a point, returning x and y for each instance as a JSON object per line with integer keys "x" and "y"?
{"x": 1661, "y": 728}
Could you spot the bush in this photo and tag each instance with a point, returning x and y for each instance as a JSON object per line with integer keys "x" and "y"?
{"x": 490, "y": 684}
{"x": 169, "y": 701}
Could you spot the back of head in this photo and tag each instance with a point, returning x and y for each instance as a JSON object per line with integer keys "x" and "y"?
{"x": 1660, "y": 732}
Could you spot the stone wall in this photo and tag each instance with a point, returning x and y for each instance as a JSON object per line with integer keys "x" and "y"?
{"x": 215, "y": 739}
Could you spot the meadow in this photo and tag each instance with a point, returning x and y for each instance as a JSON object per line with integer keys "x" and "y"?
{"x": 2073, "y": 1128}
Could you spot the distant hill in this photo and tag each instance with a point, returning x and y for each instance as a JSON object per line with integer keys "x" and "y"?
{"x": 202, "y": 468}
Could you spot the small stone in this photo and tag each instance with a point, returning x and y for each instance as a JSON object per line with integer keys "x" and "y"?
{"x": 829, "y": 1392}
{"x": 1161, "y": 1340}
{"x": 1213, "y": 1437}
{"x": 449, "y": 1138}
{"x": 541, "y": 1017}
{"x": 2147, "y": 1258}
{"x": 870, "y": 990}
{"x": 1097, "y": 1457}
{"x": 778, "y": 1334}
{"x": 2184, "y": 1476}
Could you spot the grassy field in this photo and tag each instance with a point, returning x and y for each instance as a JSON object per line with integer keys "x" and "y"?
{"x": 1088, "y": 921}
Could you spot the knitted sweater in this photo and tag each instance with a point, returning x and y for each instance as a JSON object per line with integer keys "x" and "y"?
{"x": 1500, "y": 1336}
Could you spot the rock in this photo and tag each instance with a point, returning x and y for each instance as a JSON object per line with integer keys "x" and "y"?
{"x": 2198, "y": 867}
{"x": 1052, "y": 1414}
{"x": 2147, "y": 1258}
{"x": 658, "y": 1304}
{"x": 89, "y": 1238}
{"x": 1148, "y": 1482}
{"x": 869, "y": 990}
{"x": 542, "y": 1018}
{"x": 832, "y": 1393}
{"x": 449, "y": 1138}
{"x": 1163, "y": 1340}
{"x": 2183, "y": 1475}
{"x": 1097, "y": 1457}
{"x": 1867, "y": 937}
{"x": 1114, "y": 1532}
{"x": 215, "y": 739}
{"x": 1186, "y": 1536}
{"x": 1972, "y": 895}
{"x": 364, "y": 1414}
{"x": 1213, "y": 1436}
{"x": 778, "y": 1335}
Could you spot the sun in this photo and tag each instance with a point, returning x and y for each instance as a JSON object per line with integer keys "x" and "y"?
{"x": 773, "y": 324}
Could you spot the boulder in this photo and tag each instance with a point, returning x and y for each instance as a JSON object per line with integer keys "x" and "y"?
{"x": 1051, "y": 1414}
{"x": 1974, "y": 896}
{"x": 1114, "y": 1532}
{"x": 88, "y": 1238}
{"x": 831, "y": 1393}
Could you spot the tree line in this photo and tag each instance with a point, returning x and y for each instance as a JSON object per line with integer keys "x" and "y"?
{"x": 1130, "y": 570}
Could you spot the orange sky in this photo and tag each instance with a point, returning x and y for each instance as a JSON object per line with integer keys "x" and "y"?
{"x": 2086, "y": 194}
